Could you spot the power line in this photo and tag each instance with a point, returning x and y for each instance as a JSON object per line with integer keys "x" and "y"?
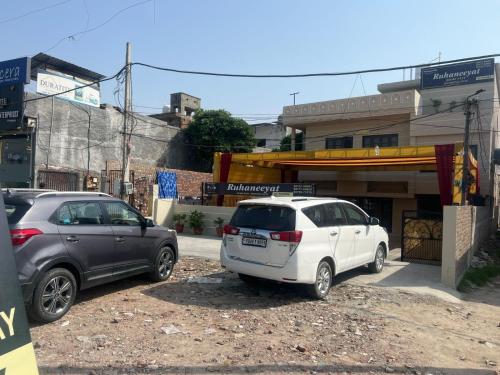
{"x": 33, "y": 12}
{"x": 303, "y": 75}
{"x": 72, "y": 36}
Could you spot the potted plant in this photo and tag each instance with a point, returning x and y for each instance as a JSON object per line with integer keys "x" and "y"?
{"x": 195, "y": 220}
{"x": 179, "y": 222}
{"x": 219, "y": 229}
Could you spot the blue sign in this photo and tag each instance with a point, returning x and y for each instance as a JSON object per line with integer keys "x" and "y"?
{"x": 15, "y": 71}
{"x": 466, "y": 73}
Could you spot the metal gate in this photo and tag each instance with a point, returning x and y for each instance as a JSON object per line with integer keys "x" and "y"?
{"x": 142, "y": 198}
{"x": 422, "y": 237}
{"x": 57, "y": 180}
{"x": 110, "y": 181}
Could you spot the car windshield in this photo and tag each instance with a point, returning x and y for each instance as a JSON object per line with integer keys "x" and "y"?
{"x": 15, "y": 212}
{"x": 267, "y": 217}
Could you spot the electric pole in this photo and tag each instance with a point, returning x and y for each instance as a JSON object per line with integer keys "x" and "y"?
{"x": 465, "y": 163}
{"x": 126, "y": 110}
{"x": 292, "y": 135}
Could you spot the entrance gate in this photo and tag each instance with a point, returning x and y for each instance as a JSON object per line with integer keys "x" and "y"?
{"x": 422, "y": 237}
{"x": 58, "y": 180}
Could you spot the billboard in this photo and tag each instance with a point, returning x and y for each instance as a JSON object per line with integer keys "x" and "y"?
{"x": 466, "y": 73}
{"x": 16, "y": 350}
{"x": 51, "y": 84}
{"x": 11, "y": 106}
{"x": 262, "y": 189}
{"x": 13, "y": 72}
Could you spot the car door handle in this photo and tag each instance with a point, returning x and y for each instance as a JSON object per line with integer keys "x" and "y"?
{"x": 72, "y": 239}
{"x": 333, "y": 233}
{"x": 119, "y": 239}
{"x": 357, "y": 231}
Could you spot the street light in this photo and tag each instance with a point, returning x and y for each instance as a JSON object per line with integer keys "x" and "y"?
{"x": 293, "y": 94}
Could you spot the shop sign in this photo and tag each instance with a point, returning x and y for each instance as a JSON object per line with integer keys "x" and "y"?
{"x": 466, "y": 73}
{"x": 11, "y": 106}
{"x": 262, "y": 189}
{"x": 51, "y": 84}
{"x": 13, "y": 72}
{"x": 16, "y": 349}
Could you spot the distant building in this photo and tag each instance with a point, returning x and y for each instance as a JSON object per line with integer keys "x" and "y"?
{"x": 268, "y": 135}
{"x": 181, "y": 110}
{"x": 74, "y": 134}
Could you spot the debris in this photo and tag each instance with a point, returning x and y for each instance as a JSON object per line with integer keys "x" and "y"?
{"x": 204, "y": 280}
{"x": 65, "y": 323}
{"x": 170, "y": 330}
{"x": 300, "y": 348}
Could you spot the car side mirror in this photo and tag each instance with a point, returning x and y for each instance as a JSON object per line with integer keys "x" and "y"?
{"x": 150, "y": 223}
{"x": 374, "y": 221}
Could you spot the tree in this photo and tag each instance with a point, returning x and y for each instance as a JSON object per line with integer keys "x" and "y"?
{"x": 217, "y": 131}
{"x": 286, "y": 143}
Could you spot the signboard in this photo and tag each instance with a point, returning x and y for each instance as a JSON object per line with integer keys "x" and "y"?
{"x": 11, "y": 106}
{"x": 16, "y": 350}
{"x": 303, "y": 190}
{"x": 50, "y": 84}
{"x": 457, "y": 74}
{"x": 17, "y": 71}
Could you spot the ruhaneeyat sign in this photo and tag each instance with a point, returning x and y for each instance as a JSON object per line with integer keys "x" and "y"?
{"x": 262, "y": 189}
{"x": 52, "y": 84}
{"x": 465, "y": 73}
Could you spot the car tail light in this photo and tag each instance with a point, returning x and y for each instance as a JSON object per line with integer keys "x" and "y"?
{"x": 20, "y": 236}
{"x": 294, "y": 236}
{"x": 229, "y": 229}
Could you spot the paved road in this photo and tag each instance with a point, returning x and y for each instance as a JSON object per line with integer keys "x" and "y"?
{"x": 199, "y": 246}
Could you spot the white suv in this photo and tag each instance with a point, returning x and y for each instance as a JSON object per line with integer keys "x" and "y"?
{"x": 301, "y": 240}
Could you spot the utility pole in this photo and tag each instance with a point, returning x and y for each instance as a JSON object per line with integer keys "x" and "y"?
{"x": 126, "y": 109}
{"x": 465, "y": 163}
{"x": 292, "y": 135}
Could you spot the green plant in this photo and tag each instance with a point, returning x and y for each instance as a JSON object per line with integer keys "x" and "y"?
{"x": 195, "y": 219}
{"x": 479, "y": 276}
{"x": 219, "y": 221}
{"x": 179, "y": 218}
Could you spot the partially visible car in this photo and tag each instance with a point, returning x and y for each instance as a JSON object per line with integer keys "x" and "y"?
{"x": 65, "y": 242}
{"x": 302, "y": 240}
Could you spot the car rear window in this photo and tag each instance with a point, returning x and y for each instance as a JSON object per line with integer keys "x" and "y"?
{"x": 15, "y": 212}
{"x": 266, "y": 217}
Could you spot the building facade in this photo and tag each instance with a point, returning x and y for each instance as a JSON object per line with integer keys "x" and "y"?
{"x": 181, "y": 110}
{"x": 268, "y": 135}
{"x": 402, "y": 114}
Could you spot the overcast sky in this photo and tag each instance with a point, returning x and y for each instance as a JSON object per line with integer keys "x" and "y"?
{"x": 253, "y": 36}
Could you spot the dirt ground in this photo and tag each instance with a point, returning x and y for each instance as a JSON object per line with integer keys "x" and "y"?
{"x": 186, "y": 325}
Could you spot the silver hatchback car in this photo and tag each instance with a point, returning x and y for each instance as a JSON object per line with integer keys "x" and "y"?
{"x": 69, "y": 241}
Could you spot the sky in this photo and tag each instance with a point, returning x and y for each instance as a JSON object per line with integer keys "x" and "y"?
{"x": 254, "y": 37}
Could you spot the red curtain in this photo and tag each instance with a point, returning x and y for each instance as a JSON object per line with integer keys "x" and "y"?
{"x": 444, "y": 161}
{"x": 225, "y": 165}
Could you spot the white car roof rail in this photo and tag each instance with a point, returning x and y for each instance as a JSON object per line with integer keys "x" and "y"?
{"x": 77, "y": 193}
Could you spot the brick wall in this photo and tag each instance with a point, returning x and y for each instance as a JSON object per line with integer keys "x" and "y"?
{"x": 188, "y": 182}
{"x": 465, "y": 228}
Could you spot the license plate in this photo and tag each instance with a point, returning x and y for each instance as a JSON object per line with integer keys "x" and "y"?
{"x": 250, "y": 241}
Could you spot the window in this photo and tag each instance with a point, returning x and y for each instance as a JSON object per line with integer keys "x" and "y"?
{"x": 354, "y": 215}
{"x": 261, "y": 143}
{"x": 382, "y": 140}
{"x": 80, "y": 213}
{"x": 273, "y": 218}
{"x": 15, "y": 212}
{"x": 335, "y": 215}
{"x": 338, "y": 142}
{"x": 121, "y": 214}
{"x": 317, "y": 214}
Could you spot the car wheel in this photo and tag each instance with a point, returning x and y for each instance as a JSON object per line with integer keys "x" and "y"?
{"x": 54, "y": 295}
{"x": 378, "y": 264}
{"x": 164, "y": 264}
{"x": 321, "y": 287}
{"x": 247, "y": 279}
